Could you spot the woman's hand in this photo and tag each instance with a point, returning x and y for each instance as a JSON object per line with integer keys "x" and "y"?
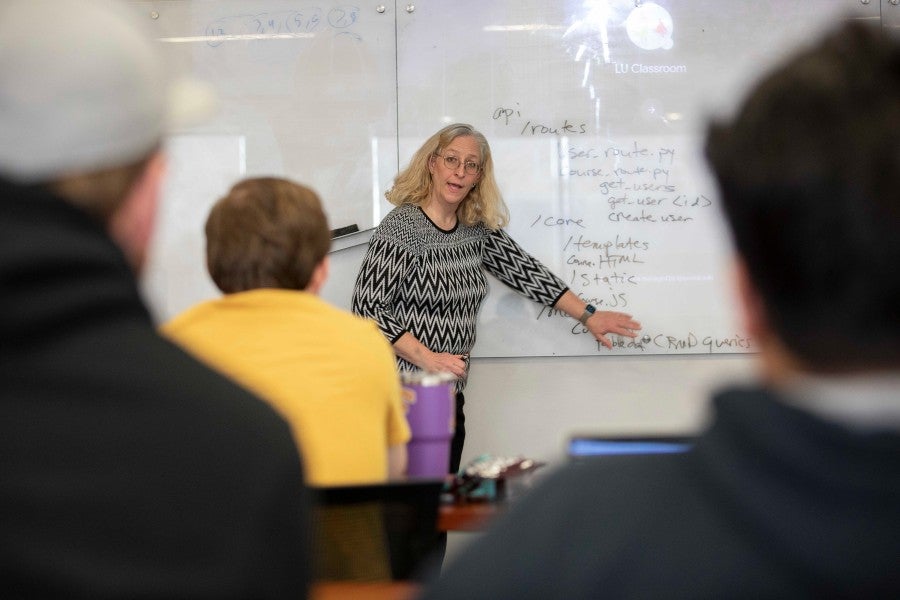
{"x": 601, "y": 322}
{"x": 411, "y": 349}
{"x": 606, "y": 321}
{"x": 444, "y": 362}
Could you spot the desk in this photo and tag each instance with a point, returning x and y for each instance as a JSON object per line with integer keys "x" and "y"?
{"x": 353, "y": 590}
{"x": 467, "y": 516}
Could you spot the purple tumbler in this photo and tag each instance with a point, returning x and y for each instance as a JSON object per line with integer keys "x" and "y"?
{"x": 430, "y": 404}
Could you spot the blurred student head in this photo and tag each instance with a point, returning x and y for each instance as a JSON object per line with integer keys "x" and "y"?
{"x": 268, "y": 232}
{"x": 809, "y": 173}
{"x": 86, "y": 99}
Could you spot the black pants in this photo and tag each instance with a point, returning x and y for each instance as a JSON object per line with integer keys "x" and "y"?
{"x": 456, "y": 448}
{"x": 459, "y": 435}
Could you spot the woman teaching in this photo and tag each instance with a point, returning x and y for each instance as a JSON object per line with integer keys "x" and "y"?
{"x": 422, "y": 278}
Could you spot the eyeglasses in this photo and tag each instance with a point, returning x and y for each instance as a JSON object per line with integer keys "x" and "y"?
{"x": 471, "y": 167}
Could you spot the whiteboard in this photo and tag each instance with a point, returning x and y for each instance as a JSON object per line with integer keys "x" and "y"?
{"x": 595, "y": 113}
{"x": 306, "y": 90}
{"x": 594, "y": 110}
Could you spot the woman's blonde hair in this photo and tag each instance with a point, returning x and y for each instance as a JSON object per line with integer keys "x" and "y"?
{"x": 483, "y": 204}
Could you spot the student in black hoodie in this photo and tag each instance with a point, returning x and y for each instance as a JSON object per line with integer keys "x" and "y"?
{"x": 127, "y": 469}
{"x": 794, "y": 489}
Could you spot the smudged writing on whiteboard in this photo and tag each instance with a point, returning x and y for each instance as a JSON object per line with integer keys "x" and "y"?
{"x": 284, "y": 24}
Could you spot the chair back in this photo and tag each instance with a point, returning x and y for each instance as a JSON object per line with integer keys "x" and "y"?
{"x": 376, "y": 532}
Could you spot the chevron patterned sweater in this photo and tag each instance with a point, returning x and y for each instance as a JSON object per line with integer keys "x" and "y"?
{"x": 430, "y": 282}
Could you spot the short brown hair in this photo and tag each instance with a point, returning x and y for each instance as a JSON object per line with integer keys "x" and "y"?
{"x": 266, "y": 232}
{"x": 100, "y": 192}
{"x": 808, "y": 173}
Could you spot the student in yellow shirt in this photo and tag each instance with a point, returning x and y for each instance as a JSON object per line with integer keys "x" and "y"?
{"x": 329, "y": 373}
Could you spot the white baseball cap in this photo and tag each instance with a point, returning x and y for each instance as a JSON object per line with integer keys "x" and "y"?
{"x": 84, "y": 86}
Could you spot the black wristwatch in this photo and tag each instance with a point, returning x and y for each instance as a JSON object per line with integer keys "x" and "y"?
{"x": 588, "y": 311}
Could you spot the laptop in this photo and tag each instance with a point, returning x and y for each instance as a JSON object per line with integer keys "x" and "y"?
{"x": 582, "y": 446}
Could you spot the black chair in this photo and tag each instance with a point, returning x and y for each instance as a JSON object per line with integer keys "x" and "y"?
{"x": 377, "y": 532}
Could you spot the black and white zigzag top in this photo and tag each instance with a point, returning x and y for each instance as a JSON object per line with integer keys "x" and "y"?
{"x": 419, "y": 278}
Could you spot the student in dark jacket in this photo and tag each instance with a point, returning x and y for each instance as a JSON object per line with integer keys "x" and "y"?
{"x": 127, "y": 469}
{"x": 794, "y": 489}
